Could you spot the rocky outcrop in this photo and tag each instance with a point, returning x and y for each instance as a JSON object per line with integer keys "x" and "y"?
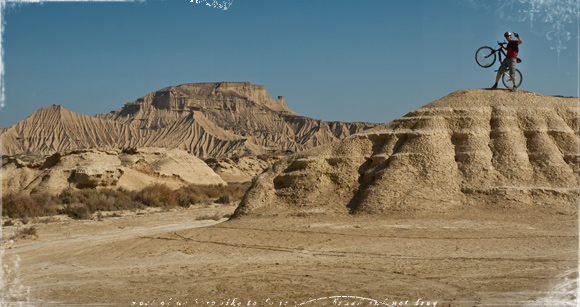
{"x": 131, "y": 169}
{"x": 216, "y": 119}
{"x": 207, "y": 119}
{"x": 472, "y": 148}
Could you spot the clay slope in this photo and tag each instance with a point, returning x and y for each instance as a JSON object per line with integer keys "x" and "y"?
{"x": 472, "y": 148}
{"x": 207, "y": 119}
{"x": 54, "y": 129}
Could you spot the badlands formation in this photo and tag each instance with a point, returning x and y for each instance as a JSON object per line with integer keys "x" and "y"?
{"x": 206, "y": 119}
{"x": 471, "y": 149}
{"x": 468, "y": 201}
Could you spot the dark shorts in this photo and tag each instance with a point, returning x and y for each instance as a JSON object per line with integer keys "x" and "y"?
{"x": 508, "y": 63}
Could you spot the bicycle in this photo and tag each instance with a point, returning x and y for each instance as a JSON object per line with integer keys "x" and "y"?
{"x": 485, "y": 57}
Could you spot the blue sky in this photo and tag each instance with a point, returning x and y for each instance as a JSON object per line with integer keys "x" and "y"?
{"x": 370, "y": 60}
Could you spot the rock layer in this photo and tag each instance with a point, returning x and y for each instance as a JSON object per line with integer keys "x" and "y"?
{"x": 470, "y": 148}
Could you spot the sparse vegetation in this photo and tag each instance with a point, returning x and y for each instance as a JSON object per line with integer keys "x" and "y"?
{"x": 226, "y": 199}
{"x": 222, "y": 194}
{"x": 22, "y": 206}
{"x": 47, "y": 220}
{"x": 157, "y": 195}
{"x": 25, "y": 232}
{"x": 77, "y": 212}
{"x": 215, "y": 216}
{"x": 82, "y": 204}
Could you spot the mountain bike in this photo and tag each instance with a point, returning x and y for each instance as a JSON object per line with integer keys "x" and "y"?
{"x": 486, "y": 56}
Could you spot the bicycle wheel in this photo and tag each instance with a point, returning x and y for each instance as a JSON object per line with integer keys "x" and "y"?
{"x": 505, "y": 78}
{"x": 485, "y": 57}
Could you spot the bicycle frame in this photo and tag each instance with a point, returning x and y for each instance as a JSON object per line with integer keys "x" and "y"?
{"x": 501, "y": 51}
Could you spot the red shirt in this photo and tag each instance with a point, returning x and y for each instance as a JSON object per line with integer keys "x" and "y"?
{"x": 512, "y": 49}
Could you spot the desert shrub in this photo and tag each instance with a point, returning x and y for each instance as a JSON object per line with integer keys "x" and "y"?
{"x": 215, "y": 216}
{"x": 189, "y": 195}
{"x": 81, "y": 204}
{"x": 122, "y": 199}
{"x": 47, "y": 200}
{"x": 69, "y": 196}
{"x": 48, "y": 220}
{"x": 203, "y": 194}
{"x": 238, "y": 190}
{"x": 30, "y": 231}
{"x": 100, "y": 200}
{"x": 25, "y": 232}
{"x": 24, "y": 206}
{"x": 157, "y": 195}
{"x": 77, "y": 211}
{"x": 233, "y": 193}
{"x": 224, "y": 199}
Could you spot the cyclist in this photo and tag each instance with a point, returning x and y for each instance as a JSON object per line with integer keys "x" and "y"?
{"x": 511, "y": 58}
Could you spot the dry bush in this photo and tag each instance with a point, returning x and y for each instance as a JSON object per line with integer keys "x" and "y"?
{"x": 203, "y": 194}
{"x": 224, "y": 199}
{"x": 215, "y": 216}
{"x": 206, "y": 191}
{"x": 70, "y": 196}
{"x": 30, "y": 231}
{"x": 24, "y": 206}
{"x": 81, "y": 204}
{"x": 25, "y": 232}
{"x": 77, "y": 211}
{"x": 189, "y": 195}
{"x": 99, "y": 200}
{"x": 48, "y": 220}
{"x": 236, "y": 191}
{"x": 47, "y": 200}
{"x": 157, "y": 195}
{"x": 113, "y": 200}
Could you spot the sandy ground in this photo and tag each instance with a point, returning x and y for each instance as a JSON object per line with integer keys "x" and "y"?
{"x": 179, "y": 259}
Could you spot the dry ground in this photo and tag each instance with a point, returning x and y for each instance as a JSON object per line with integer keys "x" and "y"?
{"x": 173, "y": 258}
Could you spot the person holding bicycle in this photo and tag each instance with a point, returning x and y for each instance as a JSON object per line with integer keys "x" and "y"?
{"x": 510, "y": 61}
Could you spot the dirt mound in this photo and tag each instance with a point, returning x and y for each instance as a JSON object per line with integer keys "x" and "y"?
{"x": 99, "y": 168}
{"x": 207, "y": 119}
{"x": 472, "y": 148}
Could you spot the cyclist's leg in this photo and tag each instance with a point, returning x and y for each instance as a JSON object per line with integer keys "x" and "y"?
{"x": 512, "y": 68}
{"x": 501, "y": 70}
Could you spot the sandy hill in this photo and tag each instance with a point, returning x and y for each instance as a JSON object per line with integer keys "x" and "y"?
{"x": 472, "y": 148}
{"x": 207, "y": 119}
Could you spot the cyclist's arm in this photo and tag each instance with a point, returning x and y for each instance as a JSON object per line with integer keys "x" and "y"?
{"x": 519, "y": 39}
